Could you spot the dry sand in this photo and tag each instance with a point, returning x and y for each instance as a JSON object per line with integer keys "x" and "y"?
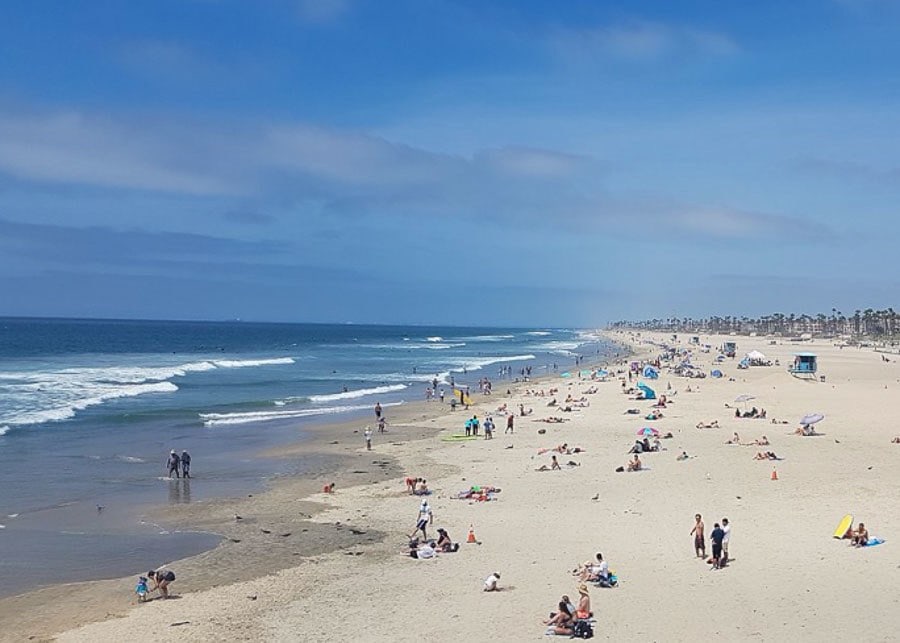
{"x": 789, "y": 580}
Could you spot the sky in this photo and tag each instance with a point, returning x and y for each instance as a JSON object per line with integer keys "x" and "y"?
{"x": 507, "y": 162}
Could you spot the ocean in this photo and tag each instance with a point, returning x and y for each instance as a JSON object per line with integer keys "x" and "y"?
{"x": 89, "y": 409}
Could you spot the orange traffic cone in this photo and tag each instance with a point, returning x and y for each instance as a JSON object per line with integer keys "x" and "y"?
{"x": 471, "y": 537}
{"x": 774, "y": 474}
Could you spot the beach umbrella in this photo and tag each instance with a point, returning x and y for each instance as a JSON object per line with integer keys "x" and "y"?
{"x": 811, "y": 418}
{"x": 648, "y": 431}
{"x": 744, "y": 398}
{"x": 649, "y": 393}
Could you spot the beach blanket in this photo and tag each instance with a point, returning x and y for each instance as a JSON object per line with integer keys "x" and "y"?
{"x": 874, "y": 541}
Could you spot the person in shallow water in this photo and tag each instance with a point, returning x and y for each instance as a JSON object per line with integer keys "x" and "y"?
{"x": 173, "y": 463}
{"x": 185, "y": 464}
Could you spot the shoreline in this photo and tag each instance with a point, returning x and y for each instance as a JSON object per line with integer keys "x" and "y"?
{"x": 246, "y": 552}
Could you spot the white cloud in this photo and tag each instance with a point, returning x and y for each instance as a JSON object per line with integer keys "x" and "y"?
{"x": 322, "y": 11}
{"x": 71, "y": 148}
{"x": 640, "y": 41}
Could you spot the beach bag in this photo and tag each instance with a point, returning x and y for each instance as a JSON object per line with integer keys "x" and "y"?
{"x": 169, "y": 576}
{"x": 583, "y": 630}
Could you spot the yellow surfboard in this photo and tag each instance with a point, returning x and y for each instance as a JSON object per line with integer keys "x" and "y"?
{"x": 463, "y": 398}
{"x": 844, "y": 525}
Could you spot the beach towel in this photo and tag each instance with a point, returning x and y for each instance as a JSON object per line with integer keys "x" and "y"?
{"x": 874, "y": 541}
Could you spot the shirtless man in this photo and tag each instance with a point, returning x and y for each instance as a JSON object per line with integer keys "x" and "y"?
{"x": 699, "y": 540}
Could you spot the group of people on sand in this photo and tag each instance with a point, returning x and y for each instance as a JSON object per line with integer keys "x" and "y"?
{"x": 424, "y": 548}
{"x": 859, "y": 537}
{"x": 161, "y": 579}
{"x": 805, "y": 430}
{"x": 574, "y": 619}
{"x": 562, "y": 448}
{"x": 554, "y": 464}
{"x": 720, "y": 538}
{"x": 417, "y": 486}
{"x": 753, "y": 414}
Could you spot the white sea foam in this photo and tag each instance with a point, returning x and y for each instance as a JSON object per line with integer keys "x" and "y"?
{"x": 363, "y": 392}
{"x": 219, "y": 419}
{"x": 436, "y": 338}
{"x": 98, "y": 395}
{"x": 244, "y": 363}
{"x": 130, "y": 458}
{"x": 489, "y": 338}
{"x": 477, "y": 363}
{"x": 539, "y": 333}
{"x": 35, "y": 397}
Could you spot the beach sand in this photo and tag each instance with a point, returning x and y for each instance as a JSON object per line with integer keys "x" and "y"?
{"x": 788, "y": 580}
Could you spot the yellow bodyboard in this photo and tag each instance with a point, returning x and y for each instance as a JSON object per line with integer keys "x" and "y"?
{"x": 844, "y": 525}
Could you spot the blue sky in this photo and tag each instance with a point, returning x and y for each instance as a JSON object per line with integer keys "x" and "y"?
{"x": 448, "y": 161}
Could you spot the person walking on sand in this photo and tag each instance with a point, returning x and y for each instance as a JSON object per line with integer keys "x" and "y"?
{"x": 726, "y": 529}
{"x": 185, "y": 464}
{"x": 368, "y": 435}
{"x": 510, "y": 420}
{"x": 377, "y": 410}
{"x": 699, "y": 540}
{"x": 172, "y": 463}
{"x": 424, "y": 518}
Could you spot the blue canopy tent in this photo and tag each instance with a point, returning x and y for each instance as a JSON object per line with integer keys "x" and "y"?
{"x": 650, "y": 373}
{"x": 716, "y": 373}
{"x": 649, "y": 393}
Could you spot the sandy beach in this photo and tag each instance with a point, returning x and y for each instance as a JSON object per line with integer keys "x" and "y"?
{"x": 342, "y": 572}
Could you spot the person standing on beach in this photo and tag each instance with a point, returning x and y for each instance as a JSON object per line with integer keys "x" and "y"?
{"x": 368, "y": 435}
{"x": 172, "y": 463}
{"x": 185, "y": 464}
{"x": 699, "y": 540}
{"x": 377, "y": 410}
{"x": 510, "y": 419}
{"x": 717, "y": 537}
{"x": 726, "y": 528}
{"x": 442, "y": 395}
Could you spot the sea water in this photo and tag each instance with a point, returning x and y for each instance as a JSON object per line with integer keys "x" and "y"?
{"x": 89, "y": 410}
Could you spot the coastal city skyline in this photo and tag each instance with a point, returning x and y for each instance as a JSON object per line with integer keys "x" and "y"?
{"x": 346, "y": 160}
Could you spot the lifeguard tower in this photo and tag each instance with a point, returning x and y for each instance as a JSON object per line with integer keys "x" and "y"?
{"x": 804, "y": 365}
{"x": 729, "y": 348}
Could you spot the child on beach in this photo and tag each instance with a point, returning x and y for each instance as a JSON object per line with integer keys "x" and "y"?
{"x": 491, "y": 583}
{"x": 141, "y": 589}
{"x": 368, "y": 435}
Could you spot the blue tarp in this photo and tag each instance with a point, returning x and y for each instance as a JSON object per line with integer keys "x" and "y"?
{"x": 650, "y": 373}
{"x": 649, "y": 393}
